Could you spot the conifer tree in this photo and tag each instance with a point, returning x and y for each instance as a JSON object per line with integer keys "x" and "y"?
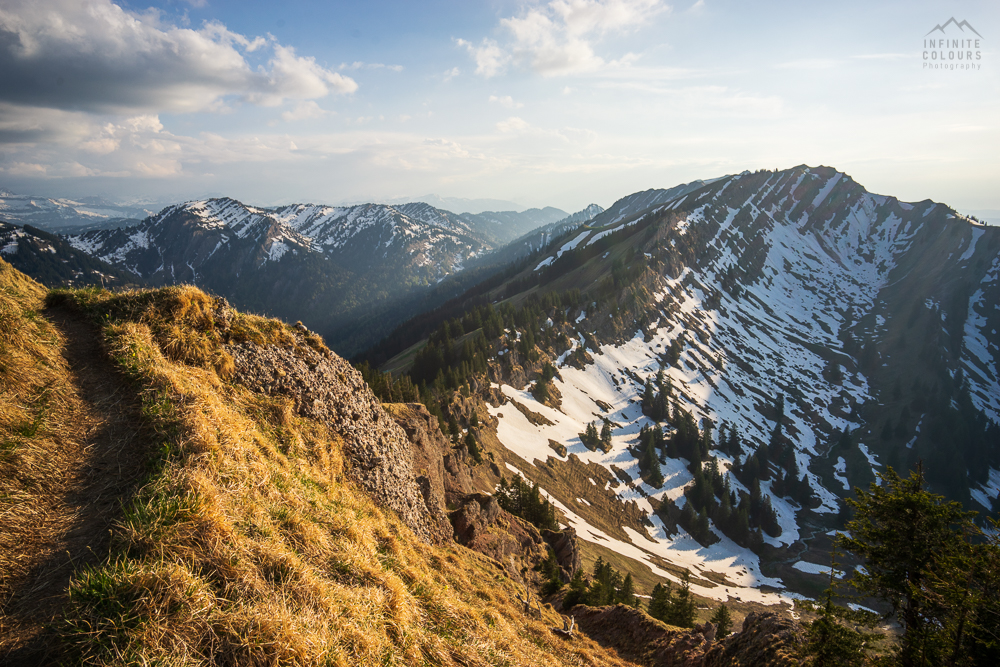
{"x": 911, "y": 541}
{"x": 702, "y": 531}
{"x": 577, "y": 590}
{"x": 831, "y": 643}
{"x": 606, "y": 437}
{"x": 648, "y": 397}
{"x": 682, "y": 609}
{"x": 473, "y": 447}
{"x": 723, "y": 621}
{"x": 627, "y": 593}
{"x": 660, "y": 601}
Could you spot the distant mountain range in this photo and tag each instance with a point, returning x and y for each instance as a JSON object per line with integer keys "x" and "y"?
{"x": 51, "y": 260}
{"x": 459, "y": 204}
{"x": 349, "y": 272}
{"x": 65, "y": 216}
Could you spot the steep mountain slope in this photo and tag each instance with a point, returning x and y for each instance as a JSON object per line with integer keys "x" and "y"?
{"x": 198, "y": 518}
{"x": 52, "y": 261}
{"x": 783, "y": 310}
{"x": 593, "y": 215}
{"x": 350, "y": 272}
{"x": 640, "y": 202}
{"x": 457, "y": 204}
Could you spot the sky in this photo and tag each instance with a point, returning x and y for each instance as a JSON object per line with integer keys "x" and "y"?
{"x": 544, "y": 103}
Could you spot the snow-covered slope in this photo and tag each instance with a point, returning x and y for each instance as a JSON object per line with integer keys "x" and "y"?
{"x": 434, "y": 243}
{"x": 640, "y": 202}
{"x": 797, "y": 283}
{"x": 53, "y": 262}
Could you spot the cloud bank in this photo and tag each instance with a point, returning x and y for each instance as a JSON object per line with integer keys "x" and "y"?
{"x": 99, "y": 58}
{"x": 558, "y": 38}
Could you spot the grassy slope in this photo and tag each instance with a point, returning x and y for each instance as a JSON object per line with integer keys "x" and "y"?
{"x": 245, "y": 544}
{"x": 33, "y": 403}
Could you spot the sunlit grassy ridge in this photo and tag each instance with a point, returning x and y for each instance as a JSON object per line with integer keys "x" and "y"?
{"x": 245, "y": 543}
{"x": 34, "y": 411}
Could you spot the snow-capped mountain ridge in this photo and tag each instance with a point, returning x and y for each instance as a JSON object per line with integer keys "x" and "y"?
{"x": 330, "y": 266}
{"x": 798, "y": 284}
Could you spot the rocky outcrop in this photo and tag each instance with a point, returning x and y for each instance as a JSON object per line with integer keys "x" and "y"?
{"x": 638, "y": 637}
{"x": 481, "y": 525}
{"x": 324, "y": 387}
{"x": 439, "y": 466}
{"x": 566, "y": 546}
{"x": 766, "y": 640}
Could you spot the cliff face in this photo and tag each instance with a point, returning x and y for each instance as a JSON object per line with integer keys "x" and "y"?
{"x": 324, "y": 387}
{"x": 442, "y": 469}
{"x": 637, "y": 636}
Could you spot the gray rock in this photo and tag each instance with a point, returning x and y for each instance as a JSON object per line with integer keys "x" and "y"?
{"x": 324, "y": 387}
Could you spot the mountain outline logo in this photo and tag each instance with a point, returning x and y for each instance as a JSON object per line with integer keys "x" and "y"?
{"x": 961, "y": 25}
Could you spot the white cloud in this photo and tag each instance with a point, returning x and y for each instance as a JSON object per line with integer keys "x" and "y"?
{"x": 507, "y": 102}
{"x": 559, "y": 37}
{"x": 294, "y": 77}
{"x": 886, "y": 56}
{"x": 490, "y": 58}
{"x": 306, "y": 110}
{"x": 705, "y": 101}
{"x": 97, "y": 56}
{"x": 810, "y": 64}
{"x": 451, "y": 74}
{"x": 357, "y": 64}
{"x": 513, "y": 124}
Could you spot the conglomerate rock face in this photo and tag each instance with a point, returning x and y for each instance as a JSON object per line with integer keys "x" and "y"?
{"x": 637, "y": 636}
{"x": 324, "y": 387}
{"x": 766, "y": 640}
{"x": 481, "y": 525}
{"x": 440, "y": 466}
{"x": 566, "y": 545}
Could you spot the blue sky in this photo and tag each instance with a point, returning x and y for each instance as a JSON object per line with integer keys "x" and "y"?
{"x": 553, "y": 102}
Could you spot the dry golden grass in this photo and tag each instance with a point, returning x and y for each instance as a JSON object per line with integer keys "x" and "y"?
{"x": 247, "y": 545}
{"x": 34, "y": 425}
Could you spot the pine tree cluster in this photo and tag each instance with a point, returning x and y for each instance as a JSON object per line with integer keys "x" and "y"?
{"x": 673, "y": 607}
{"x": 607, "y": 586}
{"x": 593, "y": 440}
{"x": 526, "y": 501}
{"x": 925, "y": 558}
